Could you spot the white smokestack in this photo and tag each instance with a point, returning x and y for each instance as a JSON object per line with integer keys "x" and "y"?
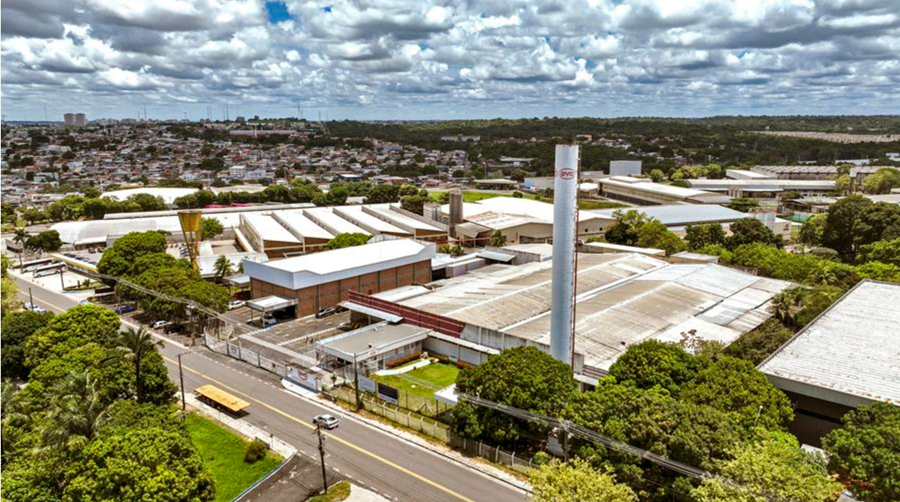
{"x": 565, "y": 200}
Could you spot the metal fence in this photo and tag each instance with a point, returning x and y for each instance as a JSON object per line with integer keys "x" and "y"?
{"x": 244, "y": 354}
{"x": 406, "y": 418}
{"x": 479, "y": 449}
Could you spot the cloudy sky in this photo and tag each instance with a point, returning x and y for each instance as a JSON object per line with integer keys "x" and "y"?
{"x": 426, "y": 59}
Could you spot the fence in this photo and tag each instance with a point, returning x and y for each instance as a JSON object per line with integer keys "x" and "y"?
{"x": 494, "y": 454}
{"x": 406, "y": 418}
{"x": 244, "y": 354}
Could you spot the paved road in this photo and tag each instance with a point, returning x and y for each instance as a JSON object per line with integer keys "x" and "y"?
{"x": 369, "y": 456}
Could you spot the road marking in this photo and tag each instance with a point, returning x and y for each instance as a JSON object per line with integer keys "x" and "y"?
{"x": 339, "y": 440}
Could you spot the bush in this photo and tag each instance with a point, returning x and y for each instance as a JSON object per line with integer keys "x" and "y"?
{"x": 540, "y": 458}
{"x": 256, "y": 451}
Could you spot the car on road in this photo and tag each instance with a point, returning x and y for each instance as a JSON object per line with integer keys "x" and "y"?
{"x": 236, "y": 304}
{"x": 160, "y": 324}
{"x": 268, "y": 320}
{"x": 35, "y": 308}
{"x": 326, "y": 421}
{"x": 174, "y": 328}
{"x": 124, "y": 309}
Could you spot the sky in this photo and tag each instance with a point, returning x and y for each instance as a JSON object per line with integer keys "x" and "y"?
{"x": 426, "y": 59}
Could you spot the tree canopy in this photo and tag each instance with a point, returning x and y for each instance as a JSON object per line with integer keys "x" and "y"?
{"x": 577, "y": 481}
{"x": 348, "y": 240}
{"x": 118, "y": 259}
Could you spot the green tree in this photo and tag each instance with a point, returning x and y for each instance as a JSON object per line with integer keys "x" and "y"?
{"x": 33, "y": 215}
{"x": 759, "y": 343}
{"x": 414, "y": 203}
{"x": 222, "y": 267}
{"x": 522, "y": 377}
{"x": 118, "y": 259}
{"x": 743, "y": 204}
{"x": 882, "y": 181}
{"x": 886, "y": 251}
{"x": 625, "y": 229}
{"x": 10, "y": 301}
{"x": 577, "y": 481}
{"x": 136, "y": 343}
{"x": 749, "y": 231}
{"x": 155, "y": 463}
{"x": 155, "y": 260}
{"x": 772, "y": 469}
{"x": 865, "y": 452}
{"x": 654, "y": 234}
{"x": 47, "y": 241}
{"x": 348, "y": 240}
{"x": 786, "y": 305}
{"x": 812, "y": 229}
{"x": 77, "y": 410}
{"x": 210, "y": 228}
{"x": 74, "y": 328}
{"x": 207, "y": 294}
{"x": 657, "y": 176}
{"x": 735, "y": 386}
{"x": 497, "y": 239}
{"x": 383, "y": 193}
{"x": 652, "y": 363}
{"x": 17, "y": 326}
{"x": 841, "y": 229}
{"x": 147, "y": 202}
{"x": 707, "y": 234}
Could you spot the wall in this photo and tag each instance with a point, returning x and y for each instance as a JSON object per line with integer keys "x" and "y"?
{"x": 315, "y": 298}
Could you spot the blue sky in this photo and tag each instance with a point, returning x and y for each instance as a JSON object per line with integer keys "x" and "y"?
{"x": 426, "y": 59}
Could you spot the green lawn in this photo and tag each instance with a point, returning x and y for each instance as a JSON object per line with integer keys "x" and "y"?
{"x": 599, "y": 204}
{"x": 468, "y": 196}
{"x": 336, "y": 493}
{"x": 424, "y": 381}
{"x": 223, "y": 454}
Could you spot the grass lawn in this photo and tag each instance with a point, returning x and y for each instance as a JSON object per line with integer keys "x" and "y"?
{"x": 599, "y": 204}
{"x": 223, "y": 454}
{"x": 468, "y": 196}
{"x": 336, "y": 493}
{"x": 422, "y": 382}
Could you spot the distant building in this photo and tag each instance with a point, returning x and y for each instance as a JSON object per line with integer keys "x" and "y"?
{"x": 69, "y": 119}
{"x": 625, "y": 168}
{"x": 641, "y": 191}
{"x": 80, "y": 119}
{"x": 845, "y": 358}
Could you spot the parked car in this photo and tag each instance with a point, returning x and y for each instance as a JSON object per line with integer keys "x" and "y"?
{"x": 236, "y": 304}
{"x": 160, "y": 324}
{"x": 174, "y": 328}
{"x": 124, "y": 309}
{"x": 268, "y": 319}
{"x": 326, "y": 421}
{"x": 326, "y": 312}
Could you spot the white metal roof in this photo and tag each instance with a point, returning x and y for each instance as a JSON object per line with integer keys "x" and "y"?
{"x": 401, "y": 219}
{"x": 268, "y": 228}
{"x": 682, "y": 214}
{"x": 355, "y": 213}
{"x": 648, "y": 186}
{"x": 300, "y": 224}
{"x": 333, "y": 222}
{"x": 850, "y": 354}
{"x": 328, "y": 266}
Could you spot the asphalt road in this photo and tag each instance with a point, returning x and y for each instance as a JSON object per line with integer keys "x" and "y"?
{"x": 380, "y": 461}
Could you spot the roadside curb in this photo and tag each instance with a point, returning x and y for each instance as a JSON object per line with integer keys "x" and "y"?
{"x": 451, "y": 455}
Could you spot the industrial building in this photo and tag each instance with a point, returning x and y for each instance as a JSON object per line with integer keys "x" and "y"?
{"x": 678, "y": 216}
{"x": 519, "y": 220}
{"x": 764, "y": 188}
{"x": 319, "y": 280}
{"x": 846, "y": 357}
{"x": 625, "y": 168}
{"x": 644, "y": 192}
{"x": 622, "y": 299}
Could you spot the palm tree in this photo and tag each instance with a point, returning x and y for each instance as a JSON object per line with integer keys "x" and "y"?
{"x": 786, "y": 305}
{"x": 20, "y": 238}
{"x": 137, "y": 343}
{"x": 222, "y": 267}
{"x": 77, "y": 411}
{"x": 497, "y": 239}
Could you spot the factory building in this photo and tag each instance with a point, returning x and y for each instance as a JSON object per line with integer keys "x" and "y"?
{"x": 644, "y": 192}
{"x": 845, "y": 358}
{"x": 764, "y": 188}
{"x": 320, "y": 280}
{"x": 622, "y": 299}
{"x": 625, "y": 168}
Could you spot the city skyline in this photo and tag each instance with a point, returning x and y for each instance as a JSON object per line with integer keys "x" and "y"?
{"x": 453, "y": 60}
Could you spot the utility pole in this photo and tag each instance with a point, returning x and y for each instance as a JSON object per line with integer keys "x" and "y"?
{"x": 181, "y": 379}
{"x": 356, "y": 382}
{"x": 322, "y": 456}
{"x": 62, "y": 283}
{"x": 30, "y": 297}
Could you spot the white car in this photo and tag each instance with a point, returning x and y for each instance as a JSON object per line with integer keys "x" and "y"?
{"x": 326, "y": 421}
{"x": 268, "y": 320}
{"x": 34, "y": 308}
{"x": 236, "y": 304}
{"x": 160, "y": 324}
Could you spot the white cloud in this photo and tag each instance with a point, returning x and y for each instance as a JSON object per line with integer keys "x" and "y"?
{"x": 381, "y": 57}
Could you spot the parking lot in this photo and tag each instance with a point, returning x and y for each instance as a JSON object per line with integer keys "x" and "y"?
{"x": 300, "y": 334}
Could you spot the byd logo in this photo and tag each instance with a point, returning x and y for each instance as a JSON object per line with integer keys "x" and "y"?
{"x": 567, "y": 174}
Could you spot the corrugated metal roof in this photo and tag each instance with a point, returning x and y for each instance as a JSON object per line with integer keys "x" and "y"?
{"x": 682, "y": 214}
{"x": 268, "y": 228}
{"x": 852, "y": 348}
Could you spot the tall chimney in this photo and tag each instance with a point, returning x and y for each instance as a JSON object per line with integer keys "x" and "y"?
{"x": 456, "y": 210}
{"x": 565, "y": 195}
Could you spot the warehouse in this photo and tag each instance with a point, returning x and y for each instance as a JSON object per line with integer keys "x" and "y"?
{"x": 764, "y": 188}
{"x": 623, "y": 299}
{"x": 267, "y": 235}
{"x": 321, "y": 280}
{"x": 643, "y": 192}
{"x": 846, "y": 357}
{"x": 520, "y": 221}
{"x": 678, "y": 216}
